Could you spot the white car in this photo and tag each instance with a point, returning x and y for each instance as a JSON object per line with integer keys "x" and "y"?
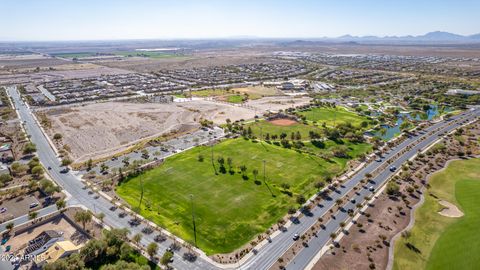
{"x": 3, "y": 210}
{"x": 296, "y": 236}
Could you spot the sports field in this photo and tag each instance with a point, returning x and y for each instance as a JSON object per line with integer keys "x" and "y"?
{"x": 229, "y": 209}
{"x": 440, "y": 242}
{"x": 333, "y": 116}
{"x": 263, "y": 127}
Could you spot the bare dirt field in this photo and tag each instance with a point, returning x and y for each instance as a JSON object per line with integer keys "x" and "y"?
{"x": 207, "y": 58}
{"x": 102, "y": 129}
{"x": 276, "y": 103}
{"x": 256, "y": 92}
{"x": 283, "y": 122}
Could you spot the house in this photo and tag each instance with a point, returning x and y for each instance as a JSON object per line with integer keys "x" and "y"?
{"x": 43, "y": 241}
{"x": 462, "y": 92}
{"x": 57, "y": 251}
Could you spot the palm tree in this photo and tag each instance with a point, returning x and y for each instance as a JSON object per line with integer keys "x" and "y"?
{"x": 137, "y": 238}
{"x": 83, "y": 217}
{"x": 152, "y": 249}
{"x": 243, "y": 168}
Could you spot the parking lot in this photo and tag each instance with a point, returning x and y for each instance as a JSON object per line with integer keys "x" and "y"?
{"x": 21, "y": 205}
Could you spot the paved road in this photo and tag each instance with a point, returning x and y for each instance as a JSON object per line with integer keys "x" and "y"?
{"x": 304, "y": 257}
{"x": 80, "y": 195}
{"x": 266, "y": 255}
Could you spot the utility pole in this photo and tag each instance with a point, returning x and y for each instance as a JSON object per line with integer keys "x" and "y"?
{"x": 141, "y": 192}
{"x": 193, "y": 220}
{"x": 264, "y": 170}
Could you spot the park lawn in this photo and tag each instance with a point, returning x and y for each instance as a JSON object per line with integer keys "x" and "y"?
{"x": 235, "y": 98}
{"x": 333, "y": 116}
{"x": 442, "y": 242}
{"x": 262, "y": 127}
{"x": 229, "y": 210}
{"x": 209, "y": 93}
{"x": 354, "y": 149}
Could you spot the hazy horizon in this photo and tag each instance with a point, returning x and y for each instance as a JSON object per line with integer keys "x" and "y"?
{"x": 88, "y": 20}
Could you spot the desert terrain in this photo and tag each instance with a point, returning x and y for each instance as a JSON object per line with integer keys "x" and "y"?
{"x": 102, "y": 129}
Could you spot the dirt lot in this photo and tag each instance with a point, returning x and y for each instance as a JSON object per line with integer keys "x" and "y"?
{"x": 102, "y": 129}
{"x": 277, "y": 103}
{"x": 204, "y": 58}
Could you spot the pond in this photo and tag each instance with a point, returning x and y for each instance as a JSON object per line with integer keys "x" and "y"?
{"x": 393, "y": 131}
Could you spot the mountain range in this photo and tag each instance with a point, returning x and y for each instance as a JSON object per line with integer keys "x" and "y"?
{"x": 428, "y": 37}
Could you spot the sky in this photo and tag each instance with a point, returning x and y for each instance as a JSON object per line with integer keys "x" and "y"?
{"x": 44, "y": 20}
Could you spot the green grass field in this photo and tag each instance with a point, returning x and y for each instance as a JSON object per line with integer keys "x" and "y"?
{"x": 333, "y": 116}
{"x": 151, "y": 54}
{"x": 74, "y": 55}
{"x": 209, "y": 93}
{"x": 229, "y": 210}
{"x": 263, "y": 127}
{"x": 443, "y": 242}
{"x": 235, "y": 98}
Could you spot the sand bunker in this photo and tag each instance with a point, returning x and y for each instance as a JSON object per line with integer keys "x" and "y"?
{"x": 450, "y": 210}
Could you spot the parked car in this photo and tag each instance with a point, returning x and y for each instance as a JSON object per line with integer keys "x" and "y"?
{"x": 3, "y": 210}
{"x": 33, "y": 205}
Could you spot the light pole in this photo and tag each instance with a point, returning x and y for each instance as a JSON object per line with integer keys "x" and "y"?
{"x": 193, "y": 221}
{"x": 264, "y": 171}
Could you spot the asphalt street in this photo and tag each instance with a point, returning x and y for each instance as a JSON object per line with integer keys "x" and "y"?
{"x": 267, "y": 254}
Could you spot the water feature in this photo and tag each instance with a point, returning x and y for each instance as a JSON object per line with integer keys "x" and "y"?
{"x": 393, "y": 131}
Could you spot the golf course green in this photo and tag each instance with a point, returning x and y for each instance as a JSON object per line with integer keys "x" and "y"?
{"x": 441, "y": 242}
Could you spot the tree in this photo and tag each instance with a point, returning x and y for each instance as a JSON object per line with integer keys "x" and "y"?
{"x": 166, "y": 258}
{"x": 29, "y": 148}
{"x": 152, "y": 249}
{"x": 392, "y": 188}
{"x": 18, "y": 168}
{"x": 66, "y": 161}
{"x": 4, "y": 178}
{"x": 32, "y": 215}
{"x": 37, "y": 170}
{"x": 9, "y": 226}
{"x": 301, "y": 199}
{"x": 255, "y": 173}
{"x": 61, "y": 204}
{"x": 83, "y": 216}
{"x": 243, "y": 169}
{"x": 103, "y": 168}
{"x": 101, "y": 216}
{"x": 137, "y": 238}
{"x": 319, "y": 185}
{"x": 340, "y": 151}
{"x": 57, "y": 137}
{"x": 89, "y": 164}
